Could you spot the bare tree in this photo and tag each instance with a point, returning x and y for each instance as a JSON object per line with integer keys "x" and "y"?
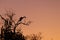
{"x": 8, "y": 24}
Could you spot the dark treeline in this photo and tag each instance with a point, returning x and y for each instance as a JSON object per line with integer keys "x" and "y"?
{"x": 8, "y": 30}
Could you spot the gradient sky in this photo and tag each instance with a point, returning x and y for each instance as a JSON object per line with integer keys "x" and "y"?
{"x": 45, "y": 15}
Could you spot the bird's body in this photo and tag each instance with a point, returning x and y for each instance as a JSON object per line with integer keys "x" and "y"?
{"x": 22, "y": 18}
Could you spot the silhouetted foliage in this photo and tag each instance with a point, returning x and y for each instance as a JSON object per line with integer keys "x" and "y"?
{"x": 34, "y": 37}
{"x": 6, "y": 30}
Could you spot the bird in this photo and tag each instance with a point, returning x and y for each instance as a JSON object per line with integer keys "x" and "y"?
{"x": 20, "y": 19}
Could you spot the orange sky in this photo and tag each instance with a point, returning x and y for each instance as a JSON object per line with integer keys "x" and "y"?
{"x": 45, "y": 15}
